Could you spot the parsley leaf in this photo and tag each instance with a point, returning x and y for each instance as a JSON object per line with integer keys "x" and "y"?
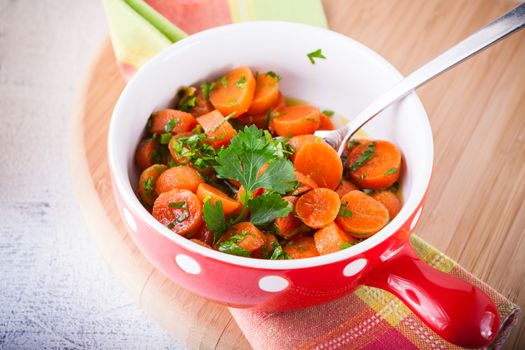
{"x": 207, "y": 88}
{"x": 230, "y": 246}
{"x": 315, "y": 54}
{"x": 266, "y": 208}
{"x": 195, "y": 149}
{"x": 213, "y": 215}
{"x": 274, "y": 75}
{"x": 165, "y": 138}
{"x": 345, "y": 245}
{"x": 328, "y": 113}
{"x": 170, "y": 125}
{"x": 149, "y": 186}
{"x": 187, "y": 99}
{"x": 391, "y": 171}
{"x": 247, "y": 153}
{"x": 181, "y": 204}
{"x": 364, "y": 157}
{"x": 224, "y": 80}
{"x": 343, "y": 211}
{"x": 241, "y": 83}
{"x": 278, "y": 253}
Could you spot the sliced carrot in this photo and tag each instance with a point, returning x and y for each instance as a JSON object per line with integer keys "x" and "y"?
{"x": 321, "y": 162}
{"x": 296, "y": 120}
{"x": 289, "y": 226}
{"x": 344, "y": 187}
{"x": 233, "y": 93}
{"x": 259, "y": 120}
{"x": 318, "y": 208}
{"x": 179, "y": 177}
{"x": 299, "y": 141}
{"x": 217, "y": 129}
{"x": 202, "y": 105}
{"x": 381, "y": 170}
{"x": 147, "y": 180}
{"x": 205, "y": 192}
{"x": 199, "y": 242}
{"x": 325, "y": 123}
{"x": 171, "y": 120}
{"x": 331, "y": 239}
{"x": 364, "y": 215}
{"x": 265, "y": 95}
{"x": 144, "y": 154}
{"x": 305, "y": 184}
{"x": 280, "y": 102}
{"x": 390, "y": 201}
{"x": 179, "y": 210}
{"x": 301, "y": 248}
{"x": 265, "y": 251}
{"x": 204, "y": 235}
{"x": 174, "y": 155}
{"x": 253, "y": 238}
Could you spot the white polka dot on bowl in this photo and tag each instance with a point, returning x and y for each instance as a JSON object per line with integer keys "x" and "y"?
{"x": 354, "y": 267}
{"x": 273, "y": 284}
{"x": 188, "y": 264}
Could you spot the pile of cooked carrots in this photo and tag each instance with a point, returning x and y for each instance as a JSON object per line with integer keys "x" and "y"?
{"x": 330, "y": 204}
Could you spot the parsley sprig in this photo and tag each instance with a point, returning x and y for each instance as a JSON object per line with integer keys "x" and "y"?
{"x": 364, "y": 157}
{"x": 315, "y": 54}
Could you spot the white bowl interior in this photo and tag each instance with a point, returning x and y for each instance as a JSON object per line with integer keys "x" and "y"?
{"x": 346, "y": 81}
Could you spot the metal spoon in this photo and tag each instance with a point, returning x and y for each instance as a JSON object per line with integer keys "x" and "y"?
{"x": 505, "y": 25}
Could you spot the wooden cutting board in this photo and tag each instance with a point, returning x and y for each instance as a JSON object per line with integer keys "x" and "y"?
{"x": 476, "y": 208}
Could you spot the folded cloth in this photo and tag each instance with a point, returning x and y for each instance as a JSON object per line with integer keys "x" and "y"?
{"x": 368, "y": 318}
{"x": 140, "y": 29}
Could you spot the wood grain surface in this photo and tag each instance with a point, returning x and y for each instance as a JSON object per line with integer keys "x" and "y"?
{"x": 475, "y": 211}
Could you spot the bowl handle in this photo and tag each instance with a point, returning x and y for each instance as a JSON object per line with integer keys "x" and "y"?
{"x": 454, "y": 309}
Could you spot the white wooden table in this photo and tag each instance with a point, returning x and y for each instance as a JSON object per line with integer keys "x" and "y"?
{"x": 55, "y": 290}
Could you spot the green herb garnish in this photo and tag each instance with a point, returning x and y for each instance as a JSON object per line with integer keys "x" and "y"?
{"x": 187, "y": 99}
{"x": 207, "y": 88}
{"x": 170, "y": 125}
{"x": 315, "y": 54}
{"x": 195, "y": 149}
{"x": 264, "y": 209}
{"x": 180, "y": 204}
{"x": 230, "y": 246}
{"x": 274, "y": 75}
{"x": 165, "y": 138}
{"x": 391, "y": 171}
{"x": 345, "y": 245}
{"x": 214, "y": 218}
{"x": 149, "y": 186}
{"x": 343, "y": 211}
{"x": 278, "y": 253}
{"x": 241, "y": 83}
{"x": 328, "y": 112}
{"x": 352, "y": 143}
{"x": 364, "y": 157}
{"x": 224, "y": 80}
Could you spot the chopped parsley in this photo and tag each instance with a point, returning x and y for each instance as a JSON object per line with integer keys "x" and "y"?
{"x": 224, "y": 120}
{"x": 391, "y": 171}
{"x": 149, "y": 186}
{"x": 224, "y": 80}
{"x": 231, "y": 246}
{"x": 364, "y": 157}
{"x": 165, "y": 138}
{"x": 343, "y": 211}
{"x": 265, "y": 209}
{"x": 241, "y": 83}
{"x": 278, "y": 253}
{"x": 187, "y": 99}
{"x": 195, "y": 149}
{"x": 207, "y": 88}
{"x": 328, "y": 113}
{"x": 185, "y": 214}
{"x": 274, "y": 75}
{"x": 181, "y": 204}
{"x": 352, "y": 143}
{"x": 345, "y": 245}
{"x": 315, "y": 54}
{"x": 170, "y": 125}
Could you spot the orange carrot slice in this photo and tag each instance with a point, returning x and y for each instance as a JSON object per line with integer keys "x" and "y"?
{"x": 179, "y": 177}
{"x": 265, "y": 251}
{"x": 217, "y": 129}
{"x": 179, "y": 210}
{"x": 265, "y": 95}
{"x": 253, "y": 238}
{"x": 363, "y": 216}
{"x": 299, "y": 141}
{"x": 305, "y": 184}
{"x": 290, "y": 225}
{"x": 205, "y": 192}
{"x": 325, "y": 123}
{"x": 204, "y": 235}
{"x": 233, "y": 93}
{"x": 375, "y": 164}
{"x": 301, "y": 248}
{"x": 321, "y": 162}
{"x": 331, "y": 239}
{"x": 344, "y": 187}
{"x": 318, "y": 208}
{"x": 144, "y": 154}
{"x": 202, "y": 105}
{"x": 199, "y": 242}
{"x": 171, "y": 120}
{"x": 390, "y": 201}
{"x": 295, "y": 120}
{"x": 147, "y": 180}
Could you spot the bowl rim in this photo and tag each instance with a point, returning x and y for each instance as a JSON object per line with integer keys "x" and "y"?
{"x": 128, "y": 196}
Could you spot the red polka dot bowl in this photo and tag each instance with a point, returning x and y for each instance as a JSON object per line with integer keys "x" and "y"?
{"x": 348, "y": 79}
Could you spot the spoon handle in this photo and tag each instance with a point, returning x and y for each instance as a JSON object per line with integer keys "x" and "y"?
{"x": 498, "y": 29}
